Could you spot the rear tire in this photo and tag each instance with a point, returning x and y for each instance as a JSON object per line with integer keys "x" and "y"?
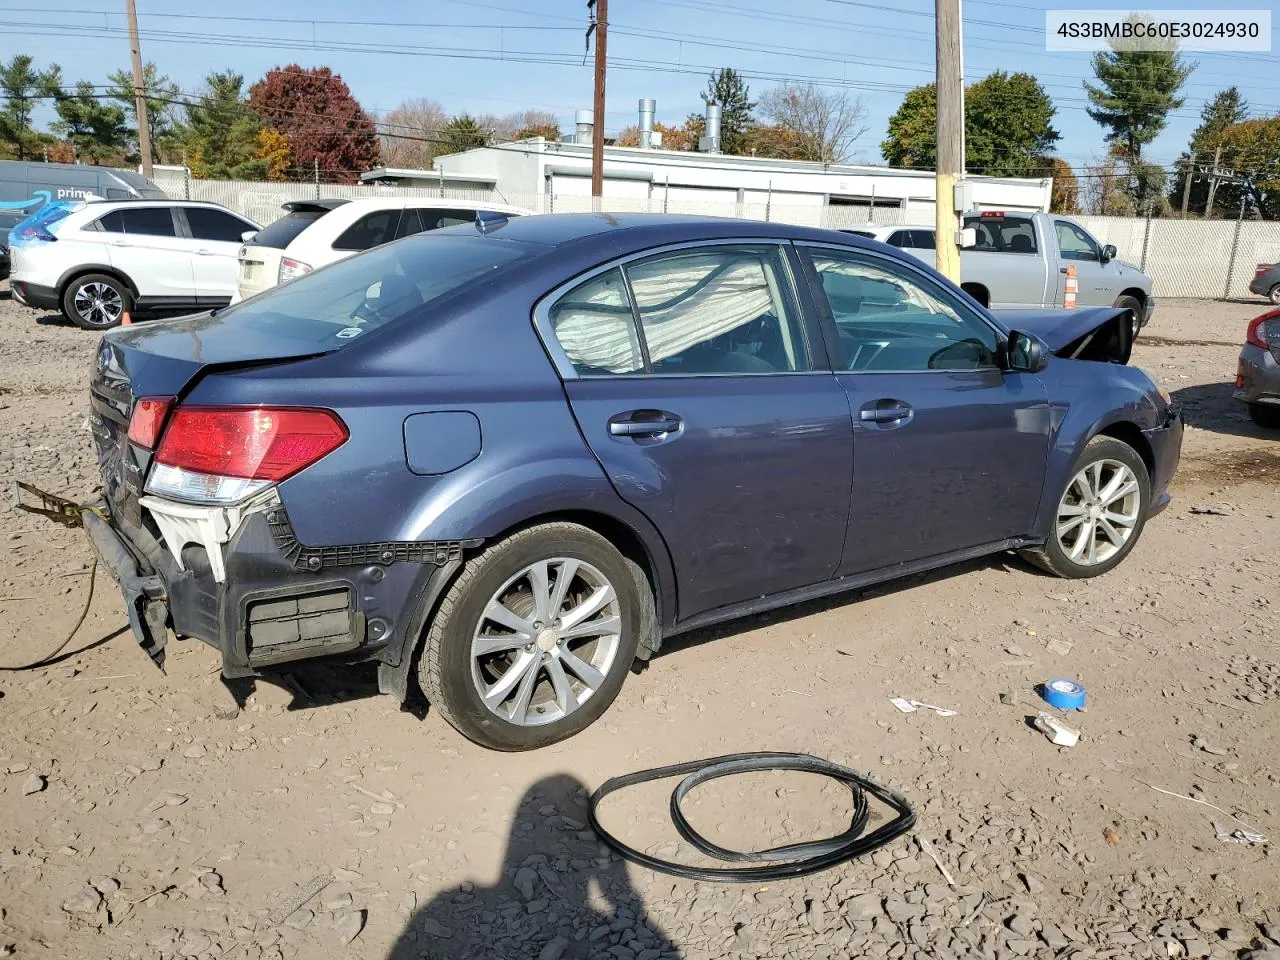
{"x": 1107, "y": 494}
{"x": 96, "y": 301}
{"x": 1265, "y": 416}
{"x": 503, "y": 620}
{"x": 1135, "y": 308}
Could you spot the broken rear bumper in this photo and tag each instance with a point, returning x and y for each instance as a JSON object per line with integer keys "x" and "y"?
{"x": 145, "y": 596}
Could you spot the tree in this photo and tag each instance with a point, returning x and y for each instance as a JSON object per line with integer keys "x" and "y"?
{"x": 273, "y": 147}
{"x": 827, "y": 123}
{"x": 1227, "y": 107}
{"x": 325, "y": 124}
{"x": 537, "y": 123}
{"x": 95, "y": 127}
{"x": 684, "y": 137}
{"x": 221, "y": 134}
{"x": 1105, "y": 189}
{"x": 726, "y": 89}
{"x": 411, "y": 134}
{"x": 1065, "y": 196}
{"x": 1008, "y": 127}
{"x": 20, "y": 87}
{"x": 462, "y": 132}
{"x": 777, "y": 142}
{"x": 161, "y": 95}
{"x": 1253, "y": 147}
{"x": 1136, "y": 91}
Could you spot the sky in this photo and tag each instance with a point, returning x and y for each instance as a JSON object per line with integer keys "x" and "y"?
{"x": 501, "y": 56}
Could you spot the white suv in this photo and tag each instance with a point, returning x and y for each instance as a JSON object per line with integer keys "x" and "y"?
{"x": 313, "y": 233}
{"x": 94, "y": 261}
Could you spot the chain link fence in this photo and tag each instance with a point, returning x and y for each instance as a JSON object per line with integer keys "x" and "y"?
{"x": 1200, "y": 259}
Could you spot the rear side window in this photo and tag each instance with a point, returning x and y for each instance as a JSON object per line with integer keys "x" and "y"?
{"x": 350, "y": 298}
{"x": 434, "y": 219}
{"x": 594, "y": 326}
{"x": 146, "y": 221}
{"x": 285, "y": 230}
{"x": 900, "y": 238}
{"x": 371, "y": 230}
{"x": 410, "y": 223}
{"x": 1003, "y": 234}
{"x": 209, "y": 224}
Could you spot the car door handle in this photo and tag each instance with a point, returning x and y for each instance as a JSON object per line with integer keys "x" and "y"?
{"x": 205, "y": 253}
{"x": 644, "y": 423}
{"x": 119, "y": 243}
{"x": 885, "y": 411}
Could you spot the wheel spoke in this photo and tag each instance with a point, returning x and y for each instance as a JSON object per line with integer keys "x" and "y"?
{"x": 1108, "y": 493}
{"x": 568, "y": 570}
{"x": 1119, "y": 519}
{"x": 1082, "y": 541}
{"x": 1065, "y": 528}
{"x": 520, "y": 706}
{"x": 592, "y": 628}
{"x": 1095, "y": 478}
{"x": 1121, "y": 493}
{"x": 588, "y": 674}
{"x": 565, "y": 696}
{"x": 525, "y": 664}
{"x": 1092, "y": 555}
{"x": 1112, "y": 533}
{"x": 540, "y": 584}
{"x": 487, "y": 643}
{"x": 588, "y": 607}
{"x": 1072, "y": 510}
{"x": 501, "y": 614}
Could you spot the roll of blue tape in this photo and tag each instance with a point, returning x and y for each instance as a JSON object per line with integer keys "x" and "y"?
{"x": 1064, "y": 694}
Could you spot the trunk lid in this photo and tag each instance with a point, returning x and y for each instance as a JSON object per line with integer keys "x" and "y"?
{"x": 1090, "y": 333}
{"x": 162, "y": 359}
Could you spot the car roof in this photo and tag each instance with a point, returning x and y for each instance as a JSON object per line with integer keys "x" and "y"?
{"x": 635, "y": 231}
{"x": 153, "y": 202}
{"x": 393, "y": 203}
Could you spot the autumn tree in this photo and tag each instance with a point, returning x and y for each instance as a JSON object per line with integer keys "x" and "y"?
{"x": 1227, "y": 108}
{"x": 21, "y": 86}
{"x": 1253, "y": 147}
{"x": 1008, "y": 127}
{"x": 777, "y": 142}
{"x": 1065, "y": 194}
{"x": 220, "y": 133}
{"x": 94, "y": 126}
{"x": 324, "y": 123}
{"x": 537, "y": 123}
{"x": 161, "y": 95}
{"x": 826, "y": 122}
{"x": 273, "y": 148}
{"x": 726, "y": 89}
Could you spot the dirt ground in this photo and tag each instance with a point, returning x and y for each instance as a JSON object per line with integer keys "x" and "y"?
{"x": 139, "y": 818}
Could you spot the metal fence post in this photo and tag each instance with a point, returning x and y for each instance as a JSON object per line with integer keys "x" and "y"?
{"x": 1235, "y": 245}
{"x": 1146, "y": 237}
{"x": 768, "y": 203}
{"x": 315, "y": 166}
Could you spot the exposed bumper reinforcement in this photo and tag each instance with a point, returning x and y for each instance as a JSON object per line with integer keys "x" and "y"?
{"x": 145, "y": 597}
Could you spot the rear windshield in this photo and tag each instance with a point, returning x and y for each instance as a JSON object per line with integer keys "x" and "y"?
{"x": 282, "y": 233}
{"x": 352, "y": 297}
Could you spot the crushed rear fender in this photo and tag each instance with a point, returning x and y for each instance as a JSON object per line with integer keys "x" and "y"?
{"x": 1104, "y": 334}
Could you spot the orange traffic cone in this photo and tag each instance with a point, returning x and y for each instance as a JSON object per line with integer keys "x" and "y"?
{"x": 125, "y": 319}
{"x": 1073, "y": 286}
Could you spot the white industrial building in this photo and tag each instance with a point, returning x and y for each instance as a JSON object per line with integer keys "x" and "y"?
{"x": 556, "y": 177}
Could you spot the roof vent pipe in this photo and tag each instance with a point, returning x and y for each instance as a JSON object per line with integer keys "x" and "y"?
{"x": 648, "y": 108}
{"x": 710, "y": 143}
{"x": 583, "y": 123}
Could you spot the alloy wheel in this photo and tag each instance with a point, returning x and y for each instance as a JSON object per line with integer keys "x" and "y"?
{"x": 99, "y": 304}
{"x": 546, "y": 642}
{"x": 1098, "y": 512}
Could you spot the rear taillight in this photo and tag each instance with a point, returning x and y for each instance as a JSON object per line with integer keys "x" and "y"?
{"x": 291, "y": 269}
{"x": 1261, "y": 269}
{"x": 34, "y": 233}
{"x": 1263, "y": 329}
{"x": 226, "y": 453}
{"x": 148, "y": 420}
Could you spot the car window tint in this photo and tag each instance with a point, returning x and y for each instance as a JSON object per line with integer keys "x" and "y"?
{"x": 284, "y": 231}
{"x": 594, "y": 326}
{"x": 923, "y": 239}
{"x": 410, "y": 223}
{"x": 435, "y": 218}
{"x": 148, "y": 221}
{"x": 209, "y": 224}
{"x": 724, "y": 309}
{"x": 900, "y": 238}
{"x": 1003, "y": 234}
{"x": 371, "y": 230}
{"x": 887, "y": 319}
{"x": 1074, "y": 243}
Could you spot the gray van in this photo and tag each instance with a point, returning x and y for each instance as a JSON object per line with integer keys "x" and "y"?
{"x": 26, "y": 187}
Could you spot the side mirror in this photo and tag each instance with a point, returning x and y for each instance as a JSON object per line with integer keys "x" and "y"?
{"x": 248, "y": 235}
{"x": 1025, "y": 353}
{"x": 1108, "y": 252}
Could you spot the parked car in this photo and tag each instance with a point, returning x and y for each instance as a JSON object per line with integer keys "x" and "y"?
{"x": 95, "y": 261}
{"x": 1021, "y": 259}
{"x": 516, "y": 457}
{"x": 27, "y": 186}
{"x": 1258, "y": 372}
{"x": 1266, "y": 282}
{"x": 313, "y": 233}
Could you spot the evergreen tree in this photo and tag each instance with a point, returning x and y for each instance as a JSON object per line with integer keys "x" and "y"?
{"x": 462, "y": 133}
{"x": 93, "y": 125}
{"x": 162, "y": 100}
{"x": 726, "y": 89}
{"x": 221, "y": 134}
{"x": 1226, "y": 109}
{"x": 20, "y": 87}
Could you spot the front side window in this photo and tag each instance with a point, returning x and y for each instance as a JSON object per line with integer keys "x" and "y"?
{"x": 1074, "y": 243}
{"x": 371, "y": 230}
{"x": 147, "y": 221}
{"x": 723, "y": 309}
{"x": 1003, "y": 234}
{"x": 887, "y": 319}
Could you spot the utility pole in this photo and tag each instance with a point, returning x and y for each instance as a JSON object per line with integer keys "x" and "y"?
{"x": 600, "y": 24}
{"x": 950, "y": 134}
{"x": 1188, "y": 174}
{"x": 1213, "y": 183}
{"x": 139, "y": 90}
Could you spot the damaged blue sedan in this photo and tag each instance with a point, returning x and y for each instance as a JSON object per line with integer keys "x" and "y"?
{"x": 509, "y": 460}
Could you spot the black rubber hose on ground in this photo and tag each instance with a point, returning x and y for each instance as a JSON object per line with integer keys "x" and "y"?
{"x": 778, "y": 863}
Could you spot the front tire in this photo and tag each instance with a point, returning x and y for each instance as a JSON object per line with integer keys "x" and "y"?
{"x": 96, "y": 301}
{"x": 1274, "y": 295}
{"x": 1100, "y": 515}
{"x": 1135, "y": 308}
{"x": 532, "y": 642}
{"x": 1265, "y": 416}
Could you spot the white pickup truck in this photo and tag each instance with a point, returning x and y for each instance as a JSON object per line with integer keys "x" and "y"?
{"x": 1020, "y": 261}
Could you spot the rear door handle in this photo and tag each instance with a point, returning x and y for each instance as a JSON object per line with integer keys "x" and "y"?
{"x": 885, "y": 411}
{"x": 205, "y": 253}
{"x": 643, "y": 423}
